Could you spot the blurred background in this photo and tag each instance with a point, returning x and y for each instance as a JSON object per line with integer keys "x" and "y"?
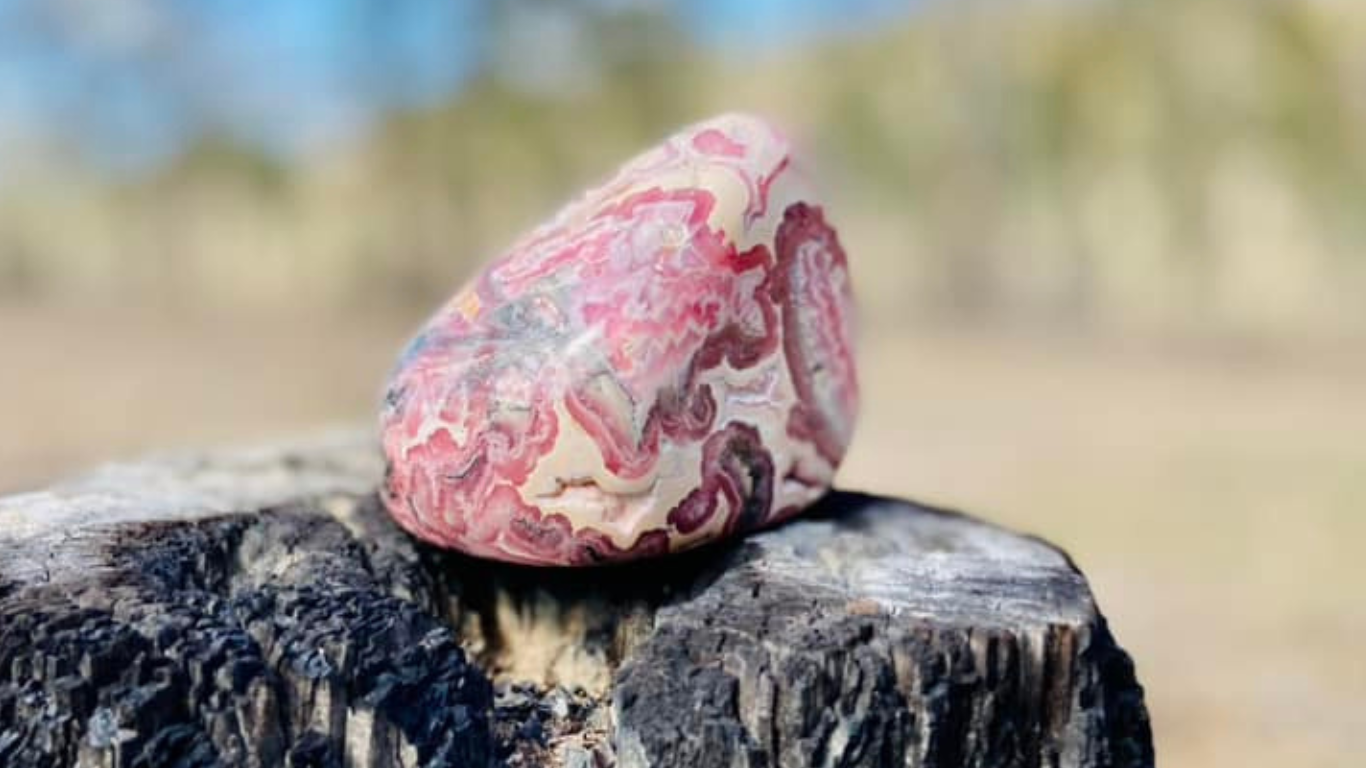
{"x": 1111, "y": 258}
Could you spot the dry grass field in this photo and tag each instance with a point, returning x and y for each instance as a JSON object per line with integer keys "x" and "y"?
{"x": 1214, "y": 496}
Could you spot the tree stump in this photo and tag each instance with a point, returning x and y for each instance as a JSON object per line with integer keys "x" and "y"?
{"x": 258, "y": 608}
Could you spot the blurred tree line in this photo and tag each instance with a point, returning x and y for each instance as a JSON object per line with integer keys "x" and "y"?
{"x": 1164, "y": 165}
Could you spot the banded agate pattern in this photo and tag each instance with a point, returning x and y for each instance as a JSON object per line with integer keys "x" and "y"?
{"x": 665, "y": 363}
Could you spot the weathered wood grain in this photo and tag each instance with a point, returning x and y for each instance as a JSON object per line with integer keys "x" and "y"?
{"x": 258, "y": 608}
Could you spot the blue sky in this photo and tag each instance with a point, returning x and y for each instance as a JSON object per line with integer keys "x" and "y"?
{"x": 131, "y": 82}
{"x": 741, "y": 23}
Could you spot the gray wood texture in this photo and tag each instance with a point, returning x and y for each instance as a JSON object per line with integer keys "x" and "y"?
{"x": 257, "y": 608}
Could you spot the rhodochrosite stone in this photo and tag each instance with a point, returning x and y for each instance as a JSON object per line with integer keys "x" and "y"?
{"x": 666, "y": 362}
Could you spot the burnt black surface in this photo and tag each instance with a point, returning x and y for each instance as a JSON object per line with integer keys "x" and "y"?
{"x": 318, "y": 633}
{"x": 237, "y": 641}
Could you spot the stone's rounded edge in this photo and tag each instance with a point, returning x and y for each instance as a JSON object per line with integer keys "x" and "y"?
{"x": 585, "y": 398}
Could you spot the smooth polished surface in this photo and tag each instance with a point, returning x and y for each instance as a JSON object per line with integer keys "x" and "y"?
{"x": 666, "y": 363}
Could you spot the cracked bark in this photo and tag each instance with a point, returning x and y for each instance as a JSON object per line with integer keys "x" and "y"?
{"x": 258, "y": 609}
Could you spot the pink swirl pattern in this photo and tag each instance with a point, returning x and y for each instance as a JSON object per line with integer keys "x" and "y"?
{"x": 667, "y": 362}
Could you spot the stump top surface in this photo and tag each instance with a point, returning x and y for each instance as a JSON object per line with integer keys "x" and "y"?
{"x": 55, "y": 533}
{"x": 958, "y": 568}
{"x": 849, "y": 546}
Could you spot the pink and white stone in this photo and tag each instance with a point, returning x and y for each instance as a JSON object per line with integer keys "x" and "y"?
{"x": 667, "y": 362}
